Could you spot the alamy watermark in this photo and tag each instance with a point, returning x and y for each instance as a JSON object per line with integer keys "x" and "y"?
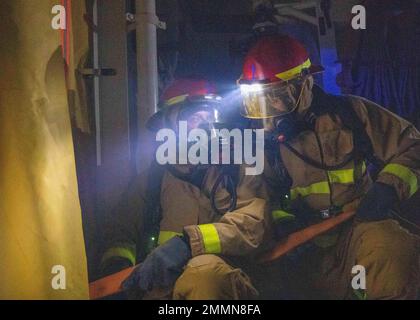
{"x": 358, "y": 282}
{"x": 58, "y": 22}
{"x": 58, "y": 281}
{"x": 199, "y": 146}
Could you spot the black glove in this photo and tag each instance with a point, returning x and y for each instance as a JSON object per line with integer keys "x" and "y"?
{"x": 162, "y": 266}
{"x": 377, "y": 203}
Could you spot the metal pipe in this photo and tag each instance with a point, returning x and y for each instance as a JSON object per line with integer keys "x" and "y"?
{"x": 96, "y": 86}
{"x": 290, "y": 12}
{"x": 147, "y": 75}
{"x": 298, "y": 6}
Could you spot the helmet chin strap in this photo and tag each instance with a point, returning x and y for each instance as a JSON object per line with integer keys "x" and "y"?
{"x": 304, "y": 100}
{"x": 300, "y": 94}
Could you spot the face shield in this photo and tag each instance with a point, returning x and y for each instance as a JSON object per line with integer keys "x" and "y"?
{"x": 198, "y": 112}
{"x": 263, "y": 101}
{"x": 201, "y": 117}
{"x": 201, "y": 112}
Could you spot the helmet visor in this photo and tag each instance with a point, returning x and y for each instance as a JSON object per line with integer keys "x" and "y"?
{"x": 262, "y": 101}
{"x": 199, "y": 116}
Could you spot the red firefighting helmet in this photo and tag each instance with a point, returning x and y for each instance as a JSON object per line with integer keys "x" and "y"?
{"x": 187, "y": 96}
{"x": 272, "y": 69}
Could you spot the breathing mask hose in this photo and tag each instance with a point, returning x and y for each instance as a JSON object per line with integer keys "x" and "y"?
{"x": 227, "y": 178}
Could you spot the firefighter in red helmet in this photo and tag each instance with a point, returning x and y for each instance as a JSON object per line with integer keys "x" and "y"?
{"x": 319, "y": 147}
{"x": 198, "y": 227}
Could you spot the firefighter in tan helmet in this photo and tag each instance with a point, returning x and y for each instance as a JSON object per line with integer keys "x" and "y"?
{"x": 321, "y": 147}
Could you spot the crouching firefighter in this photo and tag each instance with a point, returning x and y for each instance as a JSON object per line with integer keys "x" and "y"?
{"x": 204, "y": 217}
{"x": 320, "y": 147}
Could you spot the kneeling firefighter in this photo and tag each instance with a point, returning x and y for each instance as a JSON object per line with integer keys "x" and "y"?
{"x": 320, "y": 147}
{"x": 208, "y": 216}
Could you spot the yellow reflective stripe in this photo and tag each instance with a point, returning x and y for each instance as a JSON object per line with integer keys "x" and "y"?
{"x": 280, "y": 215}
{"x": 341, "y": 176}
{"x": 336, "y": 176}
{"x": 289, "y": 74}
{"x": 315, "y": 188}
{"x": 211, "y": 238}
{"x": 167, "y": 235}
{"x": 344, "y": 175}
{"x": 128, "y": 252}
{"x": 176, "y": 100}
{"x": 404, "y": 173}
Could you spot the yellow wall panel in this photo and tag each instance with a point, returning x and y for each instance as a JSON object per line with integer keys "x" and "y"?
{"x": 40, "y": 216}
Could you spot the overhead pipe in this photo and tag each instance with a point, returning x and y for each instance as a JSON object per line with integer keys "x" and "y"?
{"x": 147, "y": 76}
{"x": 297, "y": 6}
{"x": 291, "y": 12}
{"x": 98, "y": 132}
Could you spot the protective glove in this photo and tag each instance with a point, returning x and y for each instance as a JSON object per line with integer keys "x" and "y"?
{"x": 377, "y": 203}
{"x": 162, "y": 266}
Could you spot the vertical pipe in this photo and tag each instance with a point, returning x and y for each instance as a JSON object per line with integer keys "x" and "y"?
{"x": 328, "y": 52}
{"x": 96, "y": 86}
{"x": 147, "y": 73}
